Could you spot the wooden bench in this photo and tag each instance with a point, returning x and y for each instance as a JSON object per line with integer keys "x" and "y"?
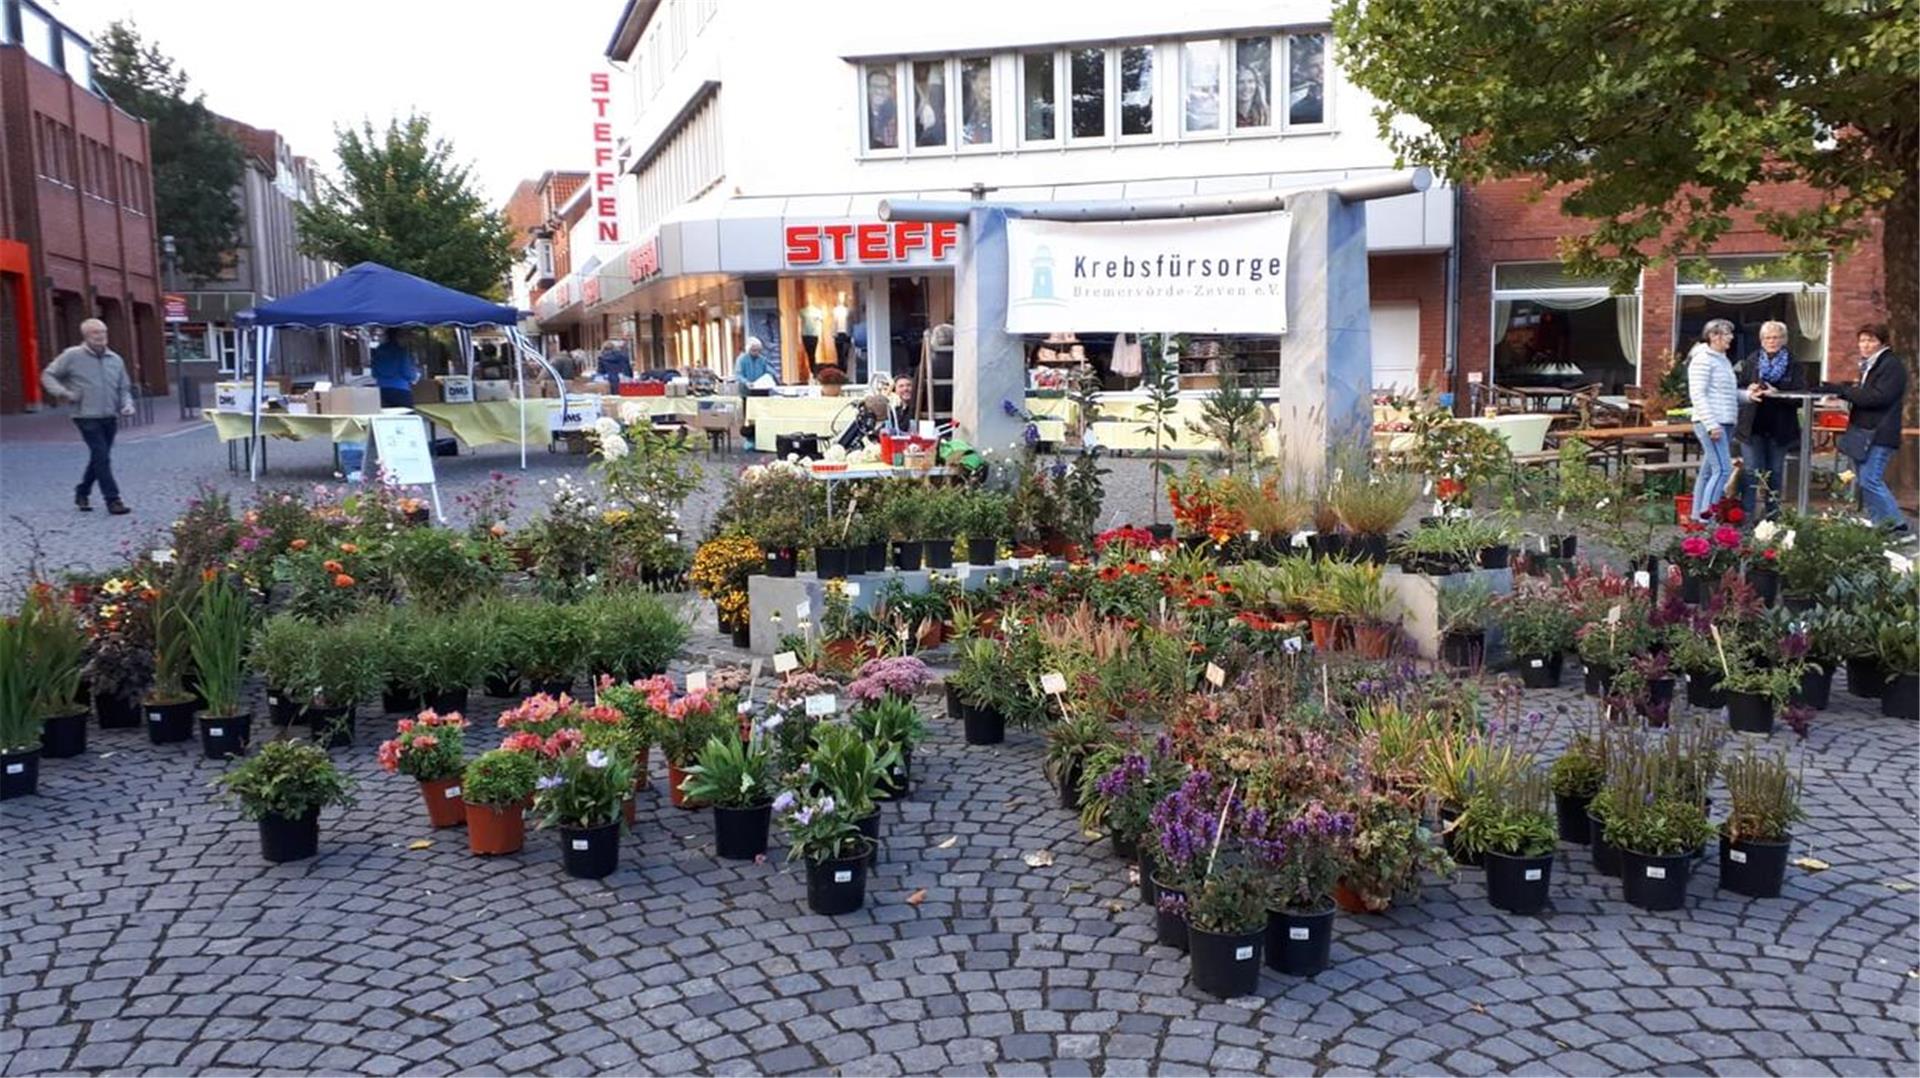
{"x": 1666, "y": 467}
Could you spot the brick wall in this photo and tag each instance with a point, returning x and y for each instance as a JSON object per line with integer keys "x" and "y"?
{"x": 1422, "y": 279}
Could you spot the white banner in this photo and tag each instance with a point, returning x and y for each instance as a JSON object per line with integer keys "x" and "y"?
{"x": 1194, "y": 275}
{"x": 402, "y": 442}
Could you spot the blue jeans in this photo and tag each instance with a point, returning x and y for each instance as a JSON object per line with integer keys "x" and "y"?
{"x": 1766, "y": 462}
{"x": 1716, "y": 465}
{"x": 1874, "y": 495}
{"x": 97, "y": 432}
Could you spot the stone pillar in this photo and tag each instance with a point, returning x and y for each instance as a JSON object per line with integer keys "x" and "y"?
{"x": 1325, "y": 406}
{"x": 989, "y": 364}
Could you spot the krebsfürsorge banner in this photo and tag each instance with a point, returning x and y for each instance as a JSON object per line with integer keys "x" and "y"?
{"x": 1193, "y": 275}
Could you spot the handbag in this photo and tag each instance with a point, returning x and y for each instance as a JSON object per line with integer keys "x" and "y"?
{"x": 1855, "y": 443}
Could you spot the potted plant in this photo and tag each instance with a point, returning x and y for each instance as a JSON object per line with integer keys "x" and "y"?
{"x": 1757, "y": 833}
{"x": 57, "y": 649}
{"x": 1227, "y": 929}
{"x": 1608, "y": 645}
{"x": 683, "y": 726}
{"x": 731, "y": 775}
{"x": 1538, "y": 628}
{"x": 120, "y": 657}
{"x": 452, "y": 655}
{"x": 1365, "y": 605}
{"x": 720, "y": 569}
{"x": 1392, "y": 848}
{"x": 555, "y": 647}
{"x": 1897, "y": 645}
{"x": 581, "y": 795}
{"x": 978, "y": 681}
{"x": 283, "y": 787}
{"x": 985, "y": 522}
{"x": 844, "y": 765}
{"x": 168, "y": 703}
{"x": 630, "y": 634}
{"x": 1304, "y": 857}
{"x": 20, "y": 684}
{"x": 906, "y": 517}
{"x": 1183, "y": 826}
{"x": 495, "y": 790}
{"x": 942, "y": 514}
{"x": 1755, "y": 690}
{"x": 1070, "y": 741}
{"x": 430, "y": 748}
{"x": 346, "y": 671}
{"x": 222, "y": 621}
{"x": 1821, "y": 659}
{"x": 1704, "y": 559}
{"x": 1465, "y": 611}
{"x": 282, "y": 653}
{"x": 893, "y": 724}
{"x": 1576, "y": 776}
{"x": 1370, "y": 504}
{"x": 1657, "y": 821}
{"x": 1507, "y": 825}
{"x": 834, "y": 849}
{"x": 1120, "y": 788}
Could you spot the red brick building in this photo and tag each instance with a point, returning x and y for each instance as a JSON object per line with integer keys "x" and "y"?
{"x": 77, "y": 237}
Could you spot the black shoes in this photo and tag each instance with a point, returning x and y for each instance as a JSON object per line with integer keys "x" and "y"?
{"x": 118, "y": 508}
{"x": 80, "y": 502}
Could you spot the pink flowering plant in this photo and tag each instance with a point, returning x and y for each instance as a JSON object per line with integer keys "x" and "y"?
{"x": 430, "y": 747}
{"x": 902, "y": 677}
{"x": 1707, "y": 555}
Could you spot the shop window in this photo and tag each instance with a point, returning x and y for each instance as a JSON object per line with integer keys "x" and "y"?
{"x": 1749, "y": 291}
{"x": 190, "y": 343}
{"x": 976, "y": 101}
{"x": 1136, "y": 90}
{"x": 1201, "y": 70}
{"x": 883, "y": 108}
{"x": 1253, "y": 83}
{"x": 1550, "y": 329}
{"x": 930, "y": 103}
{"x": 1087, "y": 71}
{"x": 1038, "y": 97}
{"x": 1306, "y": 78}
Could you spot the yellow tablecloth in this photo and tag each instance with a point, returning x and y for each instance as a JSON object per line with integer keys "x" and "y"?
{"x": 774, "y": 417}
{"x": 1523, "y": 432}
{"x": 236, "y": 426}
{"x": 1122, "y": 423}
{"x": 493, "y": 422}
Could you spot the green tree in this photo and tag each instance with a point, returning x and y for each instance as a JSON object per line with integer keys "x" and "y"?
{"x": 1662, "y": 116}
{"x": 403, "y": 202}
{"x": 197, "y": 166}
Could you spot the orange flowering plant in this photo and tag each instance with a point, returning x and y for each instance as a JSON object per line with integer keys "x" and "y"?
{"x": 430, "y": 746}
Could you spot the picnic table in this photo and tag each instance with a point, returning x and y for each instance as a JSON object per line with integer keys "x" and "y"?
{"x": 1618, "y": 437}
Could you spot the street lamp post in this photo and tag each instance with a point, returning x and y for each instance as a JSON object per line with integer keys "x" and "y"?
{"x": 169, "y": 257}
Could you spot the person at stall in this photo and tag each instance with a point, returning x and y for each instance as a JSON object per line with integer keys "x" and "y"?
{"x": 394, "y": 370}
{"x": 902, "y": 409}
{"x": 1768, "y": 428}
{"x": 614, "y": 364}
{"x": 1874, "y": 408}
{"x": 749, "y": 367}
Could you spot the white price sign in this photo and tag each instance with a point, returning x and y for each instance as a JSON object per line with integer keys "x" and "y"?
{"x": 785, "y": 662}
{"x": 697, "y": 681}
{"x": 1053, "y": 683}
{"x": 820, "y": 705}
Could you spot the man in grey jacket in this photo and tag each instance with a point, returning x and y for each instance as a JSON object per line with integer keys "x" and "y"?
{"x": 93, "y": 378}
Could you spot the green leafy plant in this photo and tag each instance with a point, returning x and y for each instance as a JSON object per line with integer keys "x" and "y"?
{"x": 222, "y": 621}
{"x": 819, "y": 827}
{"x": 345, "y": 665}
{"x": 283, "y": 654}
{"x": 20, "y": 681}
{"x": 630, "y": 634}
{"x": 1232, "y": 899}
{"x": 443, "y": 570}
{"x": 500, "y": 778}
{"x": 846, "y": 766}
{"x": 1511, "y": 816}
{"x": 1765, "y": 793}
{"x": 1580, "y": 771}
{"x": 286, "y": 780}
{"x": 1466, "y": 607}
{"x": 1070, "y": 742}
{"x": 891, "y": 721}
{"x": 1535, "y": 619}
{"x": 1161, "y": 384}
{"x": 1391, "y": 849}
{"x": 584, "y": 788}
{"x": 57, "y": 646}
{"x": 729, "y": 774}
{"x": 1372, "y": 502}
{"x": 172, "y": 642}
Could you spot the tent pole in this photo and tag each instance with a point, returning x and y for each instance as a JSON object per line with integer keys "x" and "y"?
{"x": 259, "y": 382}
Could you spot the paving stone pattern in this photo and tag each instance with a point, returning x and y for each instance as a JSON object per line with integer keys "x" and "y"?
{"x": 141, "y": 932}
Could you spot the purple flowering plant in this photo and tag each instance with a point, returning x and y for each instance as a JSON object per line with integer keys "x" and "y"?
{"x": 1185, "y": 824}
{"x": 1303, "y": 856}
{"x": 902, "y": 677}
{"x": 1123, "y": 797}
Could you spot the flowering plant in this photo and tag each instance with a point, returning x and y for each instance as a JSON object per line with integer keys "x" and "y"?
{"x": 1185, "y": 824}
{"x": 1706, "y": 555}
{"x": 1769, "y": 542}
{"x": 689, "y": 722}
{"x": 1204, "y": 506}
{"x": 1124, "y": 538}
{"x": 1125, "y": 794}
{"x": 720, "y": 570}
{"x": 501, "y": 777}
{"x": 488, "y": 508}
{"x": 428, "y": 746}
{"x": 776, "y": 503}
{"x": 567, "y": 542}
{"x": 1303, "y": 855}
{"x": 902, "y": 676}
{"x": 119, "y": 624}
{"x": 817, "y": 827}
{"x": 553, "y": 725}
{"x": 583, "y": 788}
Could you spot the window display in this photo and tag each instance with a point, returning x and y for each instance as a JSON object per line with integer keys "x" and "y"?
{"x": 976, "y": 102}
{"x": 883, "y": 121}
{"x": 1201, "y": 60}
{"x": 1306, "y": 78}
{"x": 1089, "y": 92}
{"x": 1037, "y": 96}
{"x": 1252, "y": 82}
{"x": 930, "y": 103}
{"x": 1136, "y": 90}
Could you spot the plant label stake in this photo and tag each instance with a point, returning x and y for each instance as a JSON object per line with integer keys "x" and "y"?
{"x": 1053, "y": 683}
{"x": 697, "y": 681}
{"x": 753, "y": 677}
{"x": 1215, "y": 675}
{"x": 820, "y": 705}
{"x": 1220, "y": 829}
{"x": 785, "y": 662}
{"x": 1721, "y": 647}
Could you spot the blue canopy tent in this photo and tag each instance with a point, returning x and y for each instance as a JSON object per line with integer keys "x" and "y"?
{"x": 370, "y": 294}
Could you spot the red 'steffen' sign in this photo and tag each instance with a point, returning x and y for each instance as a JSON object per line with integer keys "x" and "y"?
{"x": 894, "y": 241}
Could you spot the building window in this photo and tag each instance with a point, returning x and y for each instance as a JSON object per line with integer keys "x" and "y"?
{"x": 930, "y": 104}
{"x": 1087, "y": 70}
{"x": 1252, "y": 83}
{"x": 1136, "y": 90}
{"x": 1038, "y": 96}
{"x": 1551, "y": 329}
{"x": 1752, "y": 290}
{"x": 883, "y": 108}
{"x": 1307, "y": 79}
{"x": 976, "y": 101}
{"x": 1201, "y": 70}
{"x": 36, "y": 35}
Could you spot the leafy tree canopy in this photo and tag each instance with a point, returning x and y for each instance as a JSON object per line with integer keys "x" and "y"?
{"x": 403, "y": 202}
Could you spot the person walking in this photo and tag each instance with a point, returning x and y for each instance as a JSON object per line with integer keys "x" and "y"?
{"x": 394, "y": 370}
{"x": 1768, "y": 429}
{"x": 1874, "y": 407}
{"x": 1714, "y": 395}
{"x": 93, "y": 378}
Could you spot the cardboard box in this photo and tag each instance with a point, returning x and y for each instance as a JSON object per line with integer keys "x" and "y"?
{"x": 455, "y": 389}
{"x": 234, "y": 396}
{"x": 350, "y": 400}
{"x": 492, "y": 389}
{"x": 307, "y": 403}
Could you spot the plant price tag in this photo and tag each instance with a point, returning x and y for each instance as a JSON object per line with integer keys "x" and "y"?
{"x": 1298, "y": 933}
{"x": 1533, "y": 875}
{"x": 1643, "y": 579}
{"x": 579, "y": 843}
{"x": 852, "y": 589}
{"x": 216, "y": 731}
{"x": 785, "y": 662}
{"x": 453, "y": 791}
{"x": 822, "y": 704}
{"x": 1738, "y": 857}
{"x": 1053, "y": 683}
{"x": 16, "y": 769}
{"x": 1300, "y": 538}
{"x": 1613, "y": 614}
{"x": 1537, "y": 663}
{"x": 1215, "y": 675}
{"x": 1242, "y": 954}
{"x": 696, "y": 681}
{"x": 1656, "y": 872}
{"x": 803, "y": 610}
{"x": 843, "y": 875}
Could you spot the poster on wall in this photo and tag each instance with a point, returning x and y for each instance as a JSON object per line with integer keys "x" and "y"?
{"x": 1201, "y": 275}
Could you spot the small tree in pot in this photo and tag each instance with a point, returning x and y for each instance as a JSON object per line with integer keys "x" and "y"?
{"x": 732, "y": 776}
{"x": 431, "y": 748}
{"x": 283, "y": 787}
{"x": 1757, "y": 833}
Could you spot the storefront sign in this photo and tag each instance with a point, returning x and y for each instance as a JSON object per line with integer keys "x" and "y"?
{"x": 1198, "y": 275}
{"x": 605, "y": 210}
{"x": 872, "y": 243}
{"x": 643, "y": 262}
{"x": 590, "y": 291}
{"x": 176, "y": 305}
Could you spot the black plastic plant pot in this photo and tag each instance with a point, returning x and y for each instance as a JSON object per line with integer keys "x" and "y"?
{"x": 64, "y": 736}
{"x": 290, "y": 838}
{"x": 398, "y": 701}
{"x": 1125, "y": 847}
{"x": 282, "y": 709}
{"x": 956, "y": 707}
{"x": 1655, "y": 883}
{"x": 1161, "y": 532}
{"x": 1815, "y": 689}
{"x": 1495, "y": 557}
{"x": 117, "y": 712}
{"x": 501, "y": 686}
{"x": 169, "y": 724}
{"x": 222, "y": 736}
{"x": 740, "y": 834}
{"x": 1563, "y": 547}
{"x": 449, "y": 700}
{"x": 1650, "y": 565}
{"x": 1225, "y": 964}
{"x": 1866, "y": 678}
{"x": 1464, "y": 650}
{"x": 590, "y": 853}
{"x": 1069, "y": 787}
{"x": 877, "y": 556}
{"x": 1571, "y": 815}
{"x": 1606, "y": 856}
{"x": 982, "y": 551}
{"x": 1329, "y": 544}
{"x": 1299, "y": 944}
{"x": 1169, "y": 916}
{"x": 897, "y": 783}
{"x": 1541, "y": 671}
{"x": 560, "y": 686}
{"x": 837, "y": 886}
{"x": 1754, "y": 869}
{"x": 1750, "y": 713}
{"x": 939, "y": 553}
{"x": 1518, "y": 884}
{"x": 331, "y": 727}
{"x": 1143, "y": 868}
{"x": 1460, "y": 857}
{"x": 1901, "y": 700}
{"x": 907, "y": 554}
{"x": 1599, "y": 679}
{"x": 742, "y": 636}
{"x": 985, "y": 726}
{"x": 869, "y": 826}
{"x": 830, "y": 562}
{"x": 1368, "y": 548}
{"x": 1703, "y": 689}
{"x": 19, "y": 774}
{"x": 1765, "y": 583}
{"x": 780, "y": 561}
{"x": 1692, "y": 589}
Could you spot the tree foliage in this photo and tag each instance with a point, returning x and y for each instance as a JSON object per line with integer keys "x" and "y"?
{"x": 196, "y": 166}
{"x": 1661, "y": 116}
{"x": 402, "y": 201}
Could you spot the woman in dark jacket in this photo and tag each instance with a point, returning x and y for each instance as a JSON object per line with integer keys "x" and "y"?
{"x": 1768, "y": 429}
{"x": 1875, "y": 402}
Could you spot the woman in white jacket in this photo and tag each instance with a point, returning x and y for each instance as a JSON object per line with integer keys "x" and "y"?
{"x": 1714, "y": 394}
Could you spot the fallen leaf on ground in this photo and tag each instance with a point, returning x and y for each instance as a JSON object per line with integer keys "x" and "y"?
{"x": 759, "y": 858}
{"x": 1479, "y": 1008}
{"x": 948, "y": 844}
{"x": 457, "y": 977}
{"x": 1038, "y": 858}
{"x": 1072, "y": 887}
{"x": 917, "y": 897}
{"x": 1903, "y": 886}
{"x": 1092, "y": 836}
{"x": 1133, "y": 875}
{"x": 1116, "y": 906}
{"x": 1812, "y": 864}
{"x": 419, "y": 844}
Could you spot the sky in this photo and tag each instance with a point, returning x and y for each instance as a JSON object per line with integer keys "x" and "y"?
{"x": 505, "y": 81}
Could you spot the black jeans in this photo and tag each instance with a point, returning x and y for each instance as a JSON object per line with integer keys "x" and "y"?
{"x": 395, "y": 398}
{"x": 98, "y": 433}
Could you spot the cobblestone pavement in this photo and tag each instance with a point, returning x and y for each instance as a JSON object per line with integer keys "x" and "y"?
{"x": 141, "y": 932}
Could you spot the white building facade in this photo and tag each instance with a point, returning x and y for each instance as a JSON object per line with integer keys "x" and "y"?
{"x": 755, "y": 142}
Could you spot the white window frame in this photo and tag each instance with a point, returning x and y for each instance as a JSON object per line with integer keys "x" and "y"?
{"x": 1060, "y": 120}
{"x": 1109, "y": 83}
{"x": 909, "y": 130}
{"x": 1326, "y": 83}
{"x": 1224, "y": 92}
{"x": 1116, "y": 112}
{"x": 1231, "y": 106}
{"x": 995, "y": 114}
{"x": 224, "y": 343}
{"x": 902, "y": 117}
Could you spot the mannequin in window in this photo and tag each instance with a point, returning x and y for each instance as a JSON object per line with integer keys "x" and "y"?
{"x": 810, "y": 319}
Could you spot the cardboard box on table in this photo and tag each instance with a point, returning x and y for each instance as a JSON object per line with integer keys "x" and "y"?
{"x": 236, "y": 396}
{"x": 455, "y": 389}
{"x": 427, "y": 391}
{"x": 350, "y": 400}
{"x": 489, "y": 389}
{"x": 307, "y": 403}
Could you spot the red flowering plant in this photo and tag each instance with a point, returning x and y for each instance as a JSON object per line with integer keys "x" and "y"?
{"x": 1204, "y": 506}
{"x": 1125, "y": 539}
{"x": 1706, "y": 554}
{"x": 430, "y": 747}
{"x": 555, "y": 725}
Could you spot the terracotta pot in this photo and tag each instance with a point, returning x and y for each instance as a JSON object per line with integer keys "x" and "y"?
{"x": 444, "y": 807}
{"x": 932, "y": 634}
{"x": 1349, "y": 899}
{"x": 495, "y": 829}
{"x": 1373, "y": 641}
{"x": 844, "y": 652}
{"x": 1326, "y": 634}
{"x": 675, "y": 777}
{"x": 629, "y": 809}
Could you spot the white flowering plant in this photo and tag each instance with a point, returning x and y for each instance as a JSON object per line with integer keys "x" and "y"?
{"x": 584, "y": 787}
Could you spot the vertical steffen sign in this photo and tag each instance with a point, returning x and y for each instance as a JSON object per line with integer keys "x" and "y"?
{"x": 606, "y": 210}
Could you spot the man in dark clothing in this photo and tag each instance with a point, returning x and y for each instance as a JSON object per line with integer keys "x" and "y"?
{"x": 1875, "y": 407}
{"x": 614, "y": 365}
{"x": 93, "y": 378}
{"x": 1768, "y": 429}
